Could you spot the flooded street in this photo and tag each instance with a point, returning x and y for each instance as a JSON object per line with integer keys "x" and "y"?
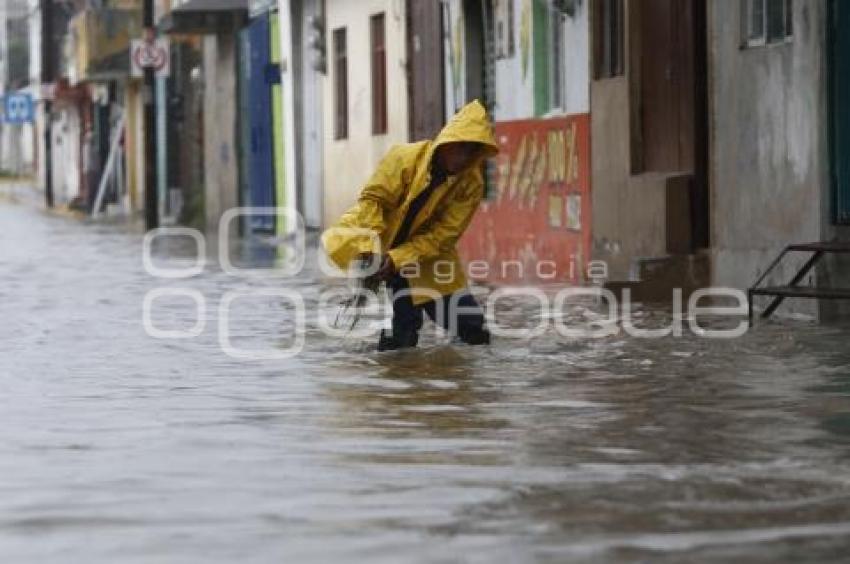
{"x": 118, "y": 447}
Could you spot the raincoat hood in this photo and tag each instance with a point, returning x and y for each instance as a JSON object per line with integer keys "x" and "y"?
{"x": 470, "y": 124}
{"x": 372, "y": 224}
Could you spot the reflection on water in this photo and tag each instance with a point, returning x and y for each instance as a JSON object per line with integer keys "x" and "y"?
{"x": 119, "y": 447}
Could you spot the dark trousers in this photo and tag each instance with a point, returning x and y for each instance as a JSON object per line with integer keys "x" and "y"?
{"x": 459, "y": 314}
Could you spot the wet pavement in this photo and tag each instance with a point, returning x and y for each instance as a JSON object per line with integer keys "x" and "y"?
{"x": 117, "y": 447}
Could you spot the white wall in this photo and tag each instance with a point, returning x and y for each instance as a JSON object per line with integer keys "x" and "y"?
{"x": 303, "y": 101}
{"x": 349, "y": 162}
{"x": 577, "y": 60}
{"x": 515, "y": 89}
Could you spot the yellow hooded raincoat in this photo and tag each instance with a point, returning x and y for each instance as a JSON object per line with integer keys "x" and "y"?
{"x": 383, "y": 203}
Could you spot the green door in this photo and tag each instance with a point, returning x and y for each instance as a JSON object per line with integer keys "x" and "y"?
{"x": 840, "y": 108}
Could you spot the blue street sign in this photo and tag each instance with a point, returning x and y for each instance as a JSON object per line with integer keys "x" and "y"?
{"x": 18, "y": 108}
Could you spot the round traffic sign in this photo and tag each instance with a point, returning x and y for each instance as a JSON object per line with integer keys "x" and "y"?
{"x": 149, "y": 54}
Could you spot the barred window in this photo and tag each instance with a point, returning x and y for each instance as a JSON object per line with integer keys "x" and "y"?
{"x": 766, "y": 22}
{"x": 379, "y": 75}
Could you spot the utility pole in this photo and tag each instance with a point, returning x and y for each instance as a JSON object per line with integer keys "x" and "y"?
{"x": 47, "y": 77}
{"x": 151, "y": 199}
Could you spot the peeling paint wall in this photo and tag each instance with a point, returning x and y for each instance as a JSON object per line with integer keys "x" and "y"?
{"x": 769, "y": 158}
{"x": 535, "y": 224}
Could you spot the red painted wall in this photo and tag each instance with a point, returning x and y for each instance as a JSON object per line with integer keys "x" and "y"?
{"x": 538, "y": 209}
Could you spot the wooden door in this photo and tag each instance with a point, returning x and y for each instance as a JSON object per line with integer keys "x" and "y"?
{"x": 667, "y": 87}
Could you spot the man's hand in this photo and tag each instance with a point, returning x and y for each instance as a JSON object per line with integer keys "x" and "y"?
{"x": 385, "y": 271}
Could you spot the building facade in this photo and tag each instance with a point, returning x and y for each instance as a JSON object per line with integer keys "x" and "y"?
{"x": 646, "y": 144}
{"x": 718, "y": 140}
{"x": 779, "y": 162}
{"x": 96, "y": 107}
{"x": 365, "y": 95}
{"x": 528, "y": 61}
{"x": 202, "y": 97}
{"x": 250, "y": 75}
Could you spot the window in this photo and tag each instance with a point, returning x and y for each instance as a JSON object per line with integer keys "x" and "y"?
{"x": 340, "y": 67}
{"x": 379, "y": 75}
{"x": 556, "y": 62}
{"x": 767, "y": 22}
{"x": 609, "y": 33}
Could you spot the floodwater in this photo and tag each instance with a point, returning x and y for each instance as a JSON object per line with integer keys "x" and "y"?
{"x": 118, "y": 447}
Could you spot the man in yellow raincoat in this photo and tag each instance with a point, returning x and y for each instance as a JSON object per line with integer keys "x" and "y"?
{"x": 408, "y": 219}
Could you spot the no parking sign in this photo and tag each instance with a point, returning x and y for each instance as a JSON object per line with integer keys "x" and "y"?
{"x": 18, "y": 108}
{"x": 150, "y": 54}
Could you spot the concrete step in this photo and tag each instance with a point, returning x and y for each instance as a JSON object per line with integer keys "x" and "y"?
{"x": 658, "y": 277}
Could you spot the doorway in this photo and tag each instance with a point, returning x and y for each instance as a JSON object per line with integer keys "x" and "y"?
{"x": 672, "y": 85}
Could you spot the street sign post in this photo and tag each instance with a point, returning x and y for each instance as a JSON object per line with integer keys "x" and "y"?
{"x": 18, "y": 108}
